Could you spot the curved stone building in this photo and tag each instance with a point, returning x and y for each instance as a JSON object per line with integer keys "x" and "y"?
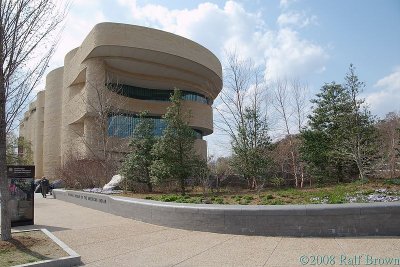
{"x": 93, "y": 101}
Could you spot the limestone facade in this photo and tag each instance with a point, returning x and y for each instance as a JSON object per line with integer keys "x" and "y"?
{"x": 142, "y": 63}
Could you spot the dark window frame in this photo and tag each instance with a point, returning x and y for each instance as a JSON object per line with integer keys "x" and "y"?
{"x": 143, "y": 93}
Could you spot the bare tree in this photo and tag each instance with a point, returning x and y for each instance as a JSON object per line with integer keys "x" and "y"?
{"x": 243, "y": 117}
{"x": 299, "y": 102}
{"x": 281, "y": 105}
{"x": 28, "y": 38}
{"x": 389, "y": 134}
{"x": 103, "y": 106}
{"x": 289, "y": 101}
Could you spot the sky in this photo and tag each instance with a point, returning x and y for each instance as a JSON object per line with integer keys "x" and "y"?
{"x": 312, "y": 40}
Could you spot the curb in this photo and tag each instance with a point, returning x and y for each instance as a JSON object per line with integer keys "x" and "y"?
{"x": 329, "y": 220}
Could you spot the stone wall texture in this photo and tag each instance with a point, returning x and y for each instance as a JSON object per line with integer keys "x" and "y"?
{"x": 366, "y": 219}
{"x": 60, "y": 123}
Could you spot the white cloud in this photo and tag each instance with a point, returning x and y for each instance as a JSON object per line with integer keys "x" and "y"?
{"x": 391, "y": 82}
{"x": 286, "y": 3}
{"x": 295, "y": 19}
{"x": 82, "y": 17}
{"x": 79, "y": 23}
{"x": 231, "y": 27}
{"x": 387, "y": 99}
{"x": 292, "y": 56}
{"x": 215, "y": 28}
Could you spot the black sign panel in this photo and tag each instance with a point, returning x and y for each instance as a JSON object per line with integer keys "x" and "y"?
{"x": 22, "y": 194}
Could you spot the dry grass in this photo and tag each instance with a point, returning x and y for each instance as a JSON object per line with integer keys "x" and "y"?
{"x": 274, "y": 196}
{"x": 28, "y": 247}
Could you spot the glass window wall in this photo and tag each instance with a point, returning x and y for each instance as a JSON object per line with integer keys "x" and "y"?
{"x": 154, "y": 94}
{"x": 123, "y": 125}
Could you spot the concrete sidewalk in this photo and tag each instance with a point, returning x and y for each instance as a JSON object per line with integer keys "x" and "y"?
{"x": 103, "y": 239}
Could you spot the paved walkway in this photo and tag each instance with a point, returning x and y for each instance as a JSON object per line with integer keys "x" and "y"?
{"x": 103, "y": 239}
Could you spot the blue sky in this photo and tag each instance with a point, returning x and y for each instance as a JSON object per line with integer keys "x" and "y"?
{"x": 314, "y": 40}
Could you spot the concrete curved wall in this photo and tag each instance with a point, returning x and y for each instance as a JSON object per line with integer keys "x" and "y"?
{"x": 31, "y": 128}
{"x": 52, "y": 122}
{"x": 290, "y": 220}
{"x": 154, "y": 47}
{"x": 39, "y": 127}
{"x": 127, "y": 54}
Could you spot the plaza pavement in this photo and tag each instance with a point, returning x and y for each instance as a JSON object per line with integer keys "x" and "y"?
{"x": 104, "y": 239}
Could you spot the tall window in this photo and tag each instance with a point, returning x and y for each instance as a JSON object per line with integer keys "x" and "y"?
{"x": 154, "y": 94}
{"x": 123, "y": 125}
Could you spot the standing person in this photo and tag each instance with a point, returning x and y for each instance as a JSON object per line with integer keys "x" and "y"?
{"x": 12, "y": 188}
{"x": 44, "y": 184}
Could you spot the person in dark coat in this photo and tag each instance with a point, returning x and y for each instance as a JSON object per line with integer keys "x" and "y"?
{"x": 44, "y": 184}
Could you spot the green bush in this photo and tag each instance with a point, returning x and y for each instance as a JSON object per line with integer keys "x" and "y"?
{"x": 194, "y": 200}
{"x": 277, "y": 181}
{"x": 237, "y": 198}
{"x": 395, "y": 181}
{"x": 336, "y": 199}
{"x": 169, "y": 198}
{"x": 248, "y": 198}
{"x": 217, "y": 200}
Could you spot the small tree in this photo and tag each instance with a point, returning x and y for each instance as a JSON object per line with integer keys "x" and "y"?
{"x": 250, "y": 158}
{"x": 220, "y": 169}
{"x": 19, "y": 151}
{"x": 202, "y": 172}
{"x": 136, "y": 166}
{"x": 174, "y": 151}
{"x": 243, "y": 117}
{"x": 341, "y": 138}
{"x": 324, "y": 137}
{"x": 360, "y": 135}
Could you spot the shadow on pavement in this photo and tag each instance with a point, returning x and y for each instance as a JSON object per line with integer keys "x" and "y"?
{"x": 39, "y": 226}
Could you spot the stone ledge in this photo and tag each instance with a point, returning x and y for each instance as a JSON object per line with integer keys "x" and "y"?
{"x": 358, "y": 219}
{"x": 74, "y": 259}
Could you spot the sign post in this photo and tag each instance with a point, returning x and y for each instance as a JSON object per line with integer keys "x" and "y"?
{"x": 21, "y": 186}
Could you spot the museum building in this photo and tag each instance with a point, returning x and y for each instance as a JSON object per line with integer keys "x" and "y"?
{"x": 118, "y": 71}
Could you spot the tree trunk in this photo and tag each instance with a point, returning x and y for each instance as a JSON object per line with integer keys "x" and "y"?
{"x": 359, "y": 161}
{"x": 149, "y": 187}
{"x": 5, "y": 196}
{"x": 148, "y": 180}
{"x": 340, "y": 173}
{"x": 296, "y": 178}
{"x": 254, "y": 183}
{"x": 360, "y": 170}
{"x": 302, "y": 176}
{"x": 182, "y": 183}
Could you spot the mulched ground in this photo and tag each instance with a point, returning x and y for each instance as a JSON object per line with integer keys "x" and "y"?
{"x": 27, "y": 247}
